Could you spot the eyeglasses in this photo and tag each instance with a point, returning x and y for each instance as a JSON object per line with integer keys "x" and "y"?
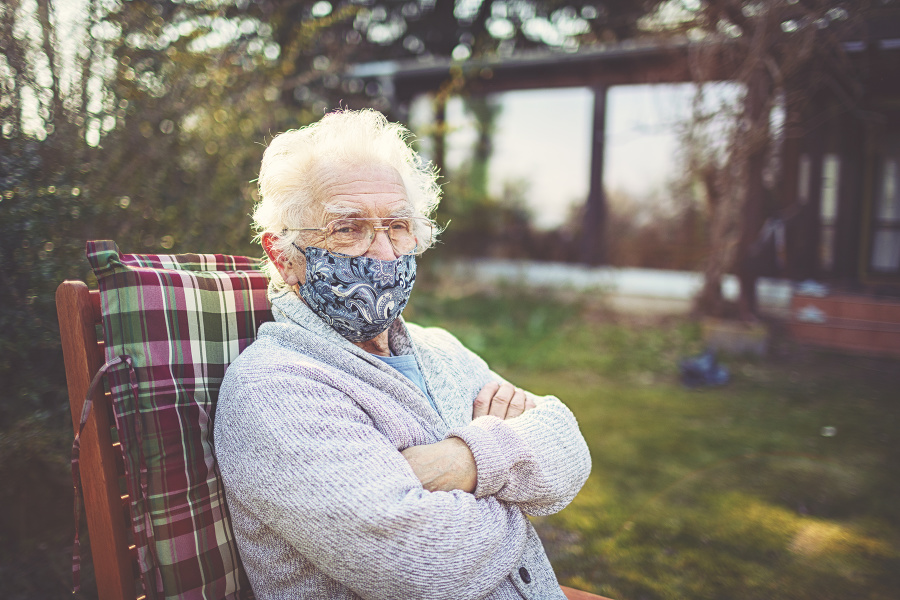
{"x": 354, "y": 236}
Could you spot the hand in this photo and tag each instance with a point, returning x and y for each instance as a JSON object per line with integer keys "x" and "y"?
{"x": 503, "y": 401}
{"x": 444, "y": 466}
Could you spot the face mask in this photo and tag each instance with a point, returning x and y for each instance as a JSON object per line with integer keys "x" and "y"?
{"x": 358, "y": 296}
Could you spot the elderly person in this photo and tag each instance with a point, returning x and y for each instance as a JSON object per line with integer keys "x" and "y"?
{"x": 363, "y": 456}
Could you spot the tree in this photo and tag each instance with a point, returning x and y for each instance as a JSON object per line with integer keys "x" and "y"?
{"x": 446, "y": 28}
{"x": 139, "y": 122}
{"x": 778, "y": 51}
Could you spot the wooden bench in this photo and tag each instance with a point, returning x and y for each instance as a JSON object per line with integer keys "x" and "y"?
{"x": 106, "y": 508}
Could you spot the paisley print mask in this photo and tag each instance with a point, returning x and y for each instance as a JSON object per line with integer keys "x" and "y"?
{"x": 358, "y": 296}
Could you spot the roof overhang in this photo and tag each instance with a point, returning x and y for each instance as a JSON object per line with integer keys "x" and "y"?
{"x": 630, "y": 62}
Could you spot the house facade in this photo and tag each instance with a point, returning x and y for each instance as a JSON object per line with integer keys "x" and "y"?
{"x": 842, "y": 184}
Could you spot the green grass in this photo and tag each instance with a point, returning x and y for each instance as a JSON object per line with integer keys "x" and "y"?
{"x": 724, "y": 493}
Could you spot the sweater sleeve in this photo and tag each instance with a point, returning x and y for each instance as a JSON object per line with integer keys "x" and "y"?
{"x": 538, "y": 460}
{"x": 310, "y": 464}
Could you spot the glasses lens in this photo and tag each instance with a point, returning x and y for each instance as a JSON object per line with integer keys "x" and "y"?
{"x": 403, "y": 235}
{"x": 349, "y": 236}
{"x": 353, "y": 237}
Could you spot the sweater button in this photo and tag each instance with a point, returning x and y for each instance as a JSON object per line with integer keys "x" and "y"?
{"x": 524, "y": 574}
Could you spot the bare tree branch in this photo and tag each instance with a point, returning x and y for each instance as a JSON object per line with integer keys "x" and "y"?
{"x": 48, "y": 44}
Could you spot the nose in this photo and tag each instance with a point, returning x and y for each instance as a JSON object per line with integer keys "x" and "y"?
{"x": 381, "y": 247}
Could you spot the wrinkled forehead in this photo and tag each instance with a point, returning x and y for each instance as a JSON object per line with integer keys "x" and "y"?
{"x": 363, "y": 190}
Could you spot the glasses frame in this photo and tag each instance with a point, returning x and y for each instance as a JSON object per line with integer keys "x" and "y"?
{"x": 417, "y": 250}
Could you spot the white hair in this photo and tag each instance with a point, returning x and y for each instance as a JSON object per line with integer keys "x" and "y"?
{"x": 292, "y": 168}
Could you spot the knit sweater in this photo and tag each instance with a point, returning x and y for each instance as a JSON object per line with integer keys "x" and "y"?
{"x": 308, "y": 433}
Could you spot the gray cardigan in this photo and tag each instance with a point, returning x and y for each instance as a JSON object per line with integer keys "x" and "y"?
{"x": 308, "y": 434}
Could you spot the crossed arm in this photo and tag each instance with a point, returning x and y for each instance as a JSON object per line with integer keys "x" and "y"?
{"x": 449, "y": 464}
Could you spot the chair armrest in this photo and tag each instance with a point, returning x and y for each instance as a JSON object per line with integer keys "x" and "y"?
{"x": 573, "y": 594}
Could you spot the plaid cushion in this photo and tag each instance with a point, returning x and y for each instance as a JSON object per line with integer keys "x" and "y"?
{"x": 181, "y": 319}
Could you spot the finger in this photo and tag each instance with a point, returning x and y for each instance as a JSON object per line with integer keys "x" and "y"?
{"x": 517, "y": 405}
{"x": 483, "y": 400}
{"x": 529, "y": 402}
{"x": 500, "y": 401}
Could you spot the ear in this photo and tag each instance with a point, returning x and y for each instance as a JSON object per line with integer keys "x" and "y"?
{"x": 268, "y": 244}
{"x": 291, "y": 272}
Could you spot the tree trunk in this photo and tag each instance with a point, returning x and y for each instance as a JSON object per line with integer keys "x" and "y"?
{"x": 753, "y": 212}
{"x": 720, "y": 197}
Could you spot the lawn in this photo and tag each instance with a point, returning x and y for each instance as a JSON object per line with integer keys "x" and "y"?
{"x": 782, "y": 484}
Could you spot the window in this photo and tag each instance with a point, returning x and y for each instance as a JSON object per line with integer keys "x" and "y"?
{"x": 828, "y": 209}
{"x": 886, "y": 238}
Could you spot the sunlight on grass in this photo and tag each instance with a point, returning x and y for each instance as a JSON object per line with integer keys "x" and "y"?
{"x": 814, "y": 539}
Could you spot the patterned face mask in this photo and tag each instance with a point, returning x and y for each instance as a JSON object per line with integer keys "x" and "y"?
{"x": 358, "y": 296}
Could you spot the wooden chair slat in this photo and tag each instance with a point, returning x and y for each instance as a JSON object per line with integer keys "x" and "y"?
{"x": 95, "y": 309}
{"x": 78, "y": 313}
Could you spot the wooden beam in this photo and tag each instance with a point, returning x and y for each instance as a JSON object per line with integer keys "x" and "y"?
{"x": 604, "y": 67}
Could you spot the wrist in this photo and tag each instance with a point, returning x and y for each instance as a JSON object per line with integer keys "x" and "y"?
{"x": 463, "y": 464}
{"x": 485, "y": 439}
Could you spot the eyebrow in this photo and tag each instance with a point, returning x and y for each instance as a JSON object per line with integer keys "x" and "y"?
{"x": 344, "y": 211}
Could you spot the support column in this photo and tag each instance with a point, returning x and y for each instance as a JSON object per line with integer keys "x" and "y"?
{"x": 593, "y": 233}
{"x": 438, "y": 135}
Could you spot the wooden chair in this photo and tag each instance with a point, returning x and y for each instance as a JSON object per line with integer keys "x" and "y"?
{"x": 101, "y": 470}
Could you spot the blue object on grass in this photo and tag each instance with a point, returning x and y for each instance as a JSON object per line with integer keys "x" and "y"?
{"x": 703, "y": 370}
